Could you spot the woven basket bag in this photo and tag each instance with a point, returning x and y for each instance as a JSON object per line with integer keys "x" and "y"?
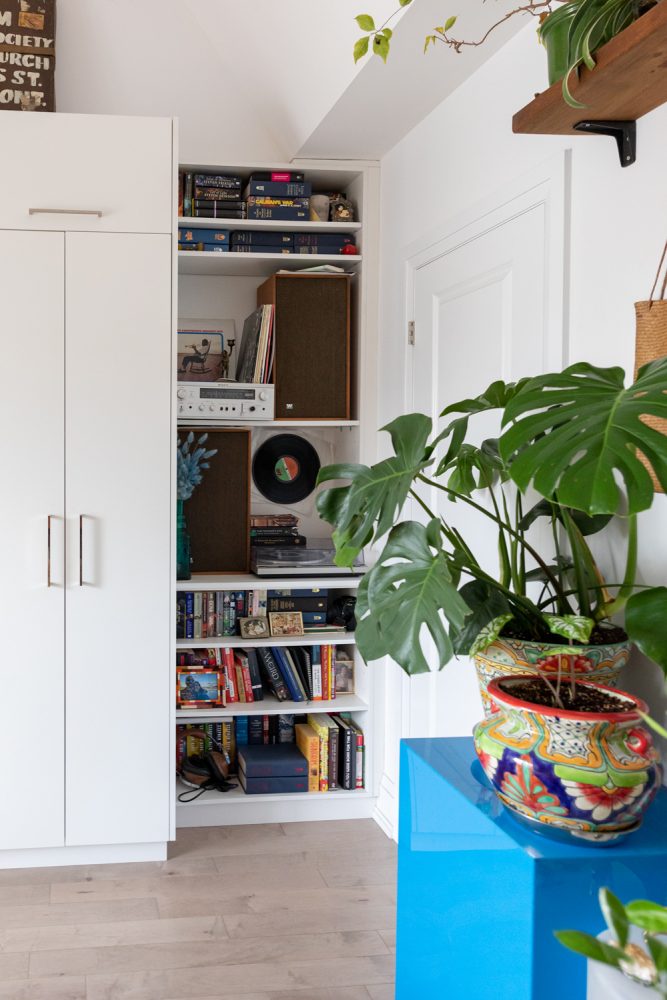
{"x": 651, "y": 342}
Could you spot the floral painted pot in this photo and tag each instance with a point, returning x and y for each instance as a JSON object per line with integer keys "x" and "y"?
{"x": 511, "y": 657}
{"x": 585, "y": 775}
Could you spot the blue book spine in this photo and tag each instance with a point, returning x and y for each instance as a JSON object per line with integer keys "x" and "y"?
{"x": 203, "y": 235}
{"x": 286, "y": 671}
{"x": 266, "y": 786}
{"x": 314, "y": 617}
{"x": 310, "y": 592}
{"x": 189, "y": 615}
{"x": 322, "y": 239}
{"x": 278, "y": 189}
{"x": 264, "y": 248}
{"x": 262, "y": 239}
{"x": 274, "y": 212}
{"x": 215, "y": 248}
{"x": 241, "y": 730}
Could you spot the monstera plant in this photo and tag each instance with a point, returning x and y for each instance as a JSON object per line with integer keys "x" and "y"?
{"x": 578, "y": 443}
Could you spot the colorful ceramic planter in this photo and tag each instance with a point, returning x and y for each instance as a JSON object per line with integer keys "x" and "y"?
{"x": 511, "y": 657}
{"x": 589, "y": 776}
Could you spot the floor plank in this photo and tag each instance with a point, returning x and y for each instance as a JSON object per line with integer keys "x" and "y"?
{"x": 302, "y": 911}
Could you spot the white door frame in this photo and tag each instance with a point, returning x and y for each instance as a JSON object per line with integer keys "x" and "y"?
{"x": 547, "y": 185}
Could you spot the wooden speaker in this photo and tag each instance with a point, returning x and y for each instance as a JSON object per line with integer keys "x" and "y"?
{"x": 312, "y": 344}
{"x": 218, "y": 512}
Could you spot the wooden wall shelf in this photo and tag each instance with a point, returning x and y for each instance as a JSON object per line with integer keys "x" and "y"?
{"x": 630, "y": 80}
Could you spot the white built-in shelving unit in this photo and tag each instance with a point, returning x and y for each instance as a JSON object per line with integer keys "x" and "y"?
{"x": 217, "y": 286}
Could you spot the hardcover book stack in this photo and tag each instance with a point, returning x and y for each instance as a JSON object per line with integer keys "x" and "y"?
{"x": 261, "y": 242}
{"x": 283, "y": 195}
{"x": 276, "y": 529}
{"x": 211, "y": 196}
{"x": 207, "y": 240}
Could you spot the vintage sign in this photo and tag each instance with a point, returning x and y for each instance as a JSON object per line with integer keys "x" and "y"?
{"x": 27, "y": 55}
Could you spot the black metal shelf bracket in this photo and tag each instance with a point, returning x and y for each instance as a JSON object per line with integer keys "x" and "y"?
{"x": 624, "y": 132}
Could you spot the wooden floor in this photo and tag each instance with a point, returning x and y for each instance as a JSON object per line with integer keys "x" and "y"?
{"x": 301, "y": 911}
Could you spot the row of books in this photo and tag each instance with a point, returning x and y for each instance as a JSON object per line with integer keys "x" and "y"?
{"x": 255, "y": 360}
{"x": 226, "y": 240}
{"x": 318, "y": 752}
{"x": 204, "y": 195}
{"x": 222, "y": 676}
{"x": 207, "y": 614}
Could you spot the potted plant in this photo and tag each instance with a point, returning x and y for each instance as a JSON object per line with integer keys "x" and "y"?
{"x": 571, "y": 33}
{"x": 631, "y": 956}
{"x": 190, "y": 466}
{"x": 545, "y": 615}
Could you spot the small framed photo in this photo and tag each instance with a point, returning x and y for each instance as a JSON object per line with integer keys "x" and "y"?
{"x": 254, "y": 628}
{"x": 198, "y": 688}
{"x": 286, "y": 623}
{"x": 344, "y": 672}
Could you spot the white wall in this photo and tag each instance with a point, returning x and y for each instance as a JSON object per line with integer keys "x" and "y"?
{"x": 465, "y": 151}
{"x": 247, "y": 80}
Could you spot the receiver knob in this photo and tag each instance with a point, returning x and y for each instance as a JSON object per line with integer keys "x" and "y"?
{"x": 181, "y": 393}
{"x": 201, "y": 406}
{"x": 263, "y": 395}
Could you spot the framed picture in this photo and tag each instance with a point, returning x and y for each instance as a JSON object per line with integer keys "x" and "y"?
{"x": 198, "y": 688}
{"x": 286, "y": 623}
{"x": 205, "y": 351}
{"x": 254, "y": 628}
{"x": 344, "y": 671}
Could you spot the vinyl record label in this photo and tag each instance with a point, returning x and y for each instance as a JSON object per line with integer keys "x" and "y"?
{"x": 285, "y": 468}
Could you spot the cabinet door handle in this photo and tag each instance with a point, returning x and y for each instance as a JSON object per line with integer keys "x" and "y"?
{"x": 48, "y": 550}
{"x": 65, "y": 211}
{"x": 81, "y": 550}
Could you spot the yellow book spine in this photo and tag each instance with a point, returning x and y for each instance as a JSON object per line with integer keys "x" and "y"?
{"x": 308, "y": 743}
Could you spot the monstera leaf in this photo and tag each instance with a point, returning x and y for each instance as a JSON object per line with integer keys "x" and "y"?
{"x": 575, "y": 430}
{"x": 370, "y": 504}
{"x": 411, "y": 586}
{"x": 645, "y": 617}
{"x": 486, "y": 603}
{"x": 495, "y": 397}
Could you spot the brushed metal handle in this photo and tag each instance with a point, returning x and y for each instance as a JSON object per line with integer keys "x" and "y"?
{"x": 81, "y": 550}
{"x": 48, "y": 550}
{"x": 65, "y": 211}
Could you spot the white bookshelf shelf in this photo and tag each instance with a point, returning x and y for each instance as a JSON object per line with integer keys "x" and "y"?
{"x": 214, "y": 798}
{"x": 251, "y": 582}
{"x": 235, "y": 641}
{"x": 270, "y": 225}
{"x": 257, "y": 265}
{"x": 271, "y": 706}
{"x": 254, "y": 424}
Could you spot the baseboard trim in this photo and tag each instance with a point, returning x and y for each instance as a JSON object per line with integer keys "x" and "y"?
{"x": 95, "y": 854}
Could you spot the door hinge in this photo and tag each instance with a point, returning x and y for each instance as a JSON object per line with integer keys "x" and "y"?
{"x": 411, "y": 333}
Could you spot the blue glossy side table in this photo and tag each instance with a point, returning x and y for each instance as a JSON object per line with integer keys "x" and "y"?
{"x": 479, "y": 895}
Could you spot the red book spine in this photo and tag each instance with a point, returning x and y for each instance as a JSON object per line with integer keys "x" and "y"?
{"x": 247, "y": 682}
{"x": 204, "y": 615}
{"x": 230, "y": 676}
{"x": 326, "y": 673}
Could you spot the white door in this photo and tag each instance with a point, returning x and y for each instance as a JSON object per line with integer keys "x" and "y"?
{"x": 32, "y": 527}
{"x": 488, "y": 305}
{"x": 119, "y": 460}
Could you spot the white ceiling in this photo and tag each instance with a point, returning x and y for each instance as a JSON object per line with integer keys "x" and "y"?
{"x": 258, "y": 79}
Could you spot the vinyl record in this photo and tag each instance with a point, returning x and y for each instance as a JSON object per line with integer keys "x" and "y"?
{"x": 285, "y": 468}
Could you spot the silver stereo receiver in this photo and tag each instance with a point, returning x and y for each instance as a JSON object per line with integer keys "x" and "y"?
{"x": 224, "y": 401}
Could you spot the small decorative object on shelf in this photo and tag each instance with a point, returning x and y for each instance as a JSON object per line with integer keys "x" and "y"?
{"x": 198, "y": 688}
{"x": 341, "y": 209}
{"x": 254, "y": 628}
{"x": 190, "y": 472}
{"x": 29, "y": 38}
{"x": 319, "y": 208}
{"x": 286, "y": 623}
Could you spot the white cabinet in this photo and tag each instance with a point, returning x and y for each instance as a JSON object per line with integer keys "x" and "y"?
{"x": 32, "y": 528}
{"x": 118, "y": 473}
{"x": 86, "y": 453}
{"x": 86, "y": 172}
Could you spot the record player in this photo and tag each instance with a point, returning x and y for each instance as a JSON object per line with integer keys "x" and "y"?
{"x": 316, "y": 559}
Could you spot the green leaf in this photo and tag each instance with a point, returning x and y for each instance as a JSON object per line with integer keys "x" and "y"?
{"x": 365, "y": 22}
{"x": 369, "y": 505}
{"x": 486, "y": 603}
{"x": 410, "y": 588}
{"x": 655, "y": 726}
{"x": 648, "y": 916}
{"x": 645, "y": 618}
{"x": 429, "y": 40}
{"x": 575, "y": 430}
{"x": 404, "y": 3}
{"x": 495, "y": 397}
{"x": 360, "y": 48}
{"x": 490, "y": 633}
{"x": 658, "y": 952}
{"x": 387, "y": 32}
{"x": 614, "y": 913}
{"x": 450, "y": 22}
{"x": 590, "y": 947}
{"x": 571, "y": 626}
{"x": 381, "y": 47}
{"x": 547, "y": 508}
